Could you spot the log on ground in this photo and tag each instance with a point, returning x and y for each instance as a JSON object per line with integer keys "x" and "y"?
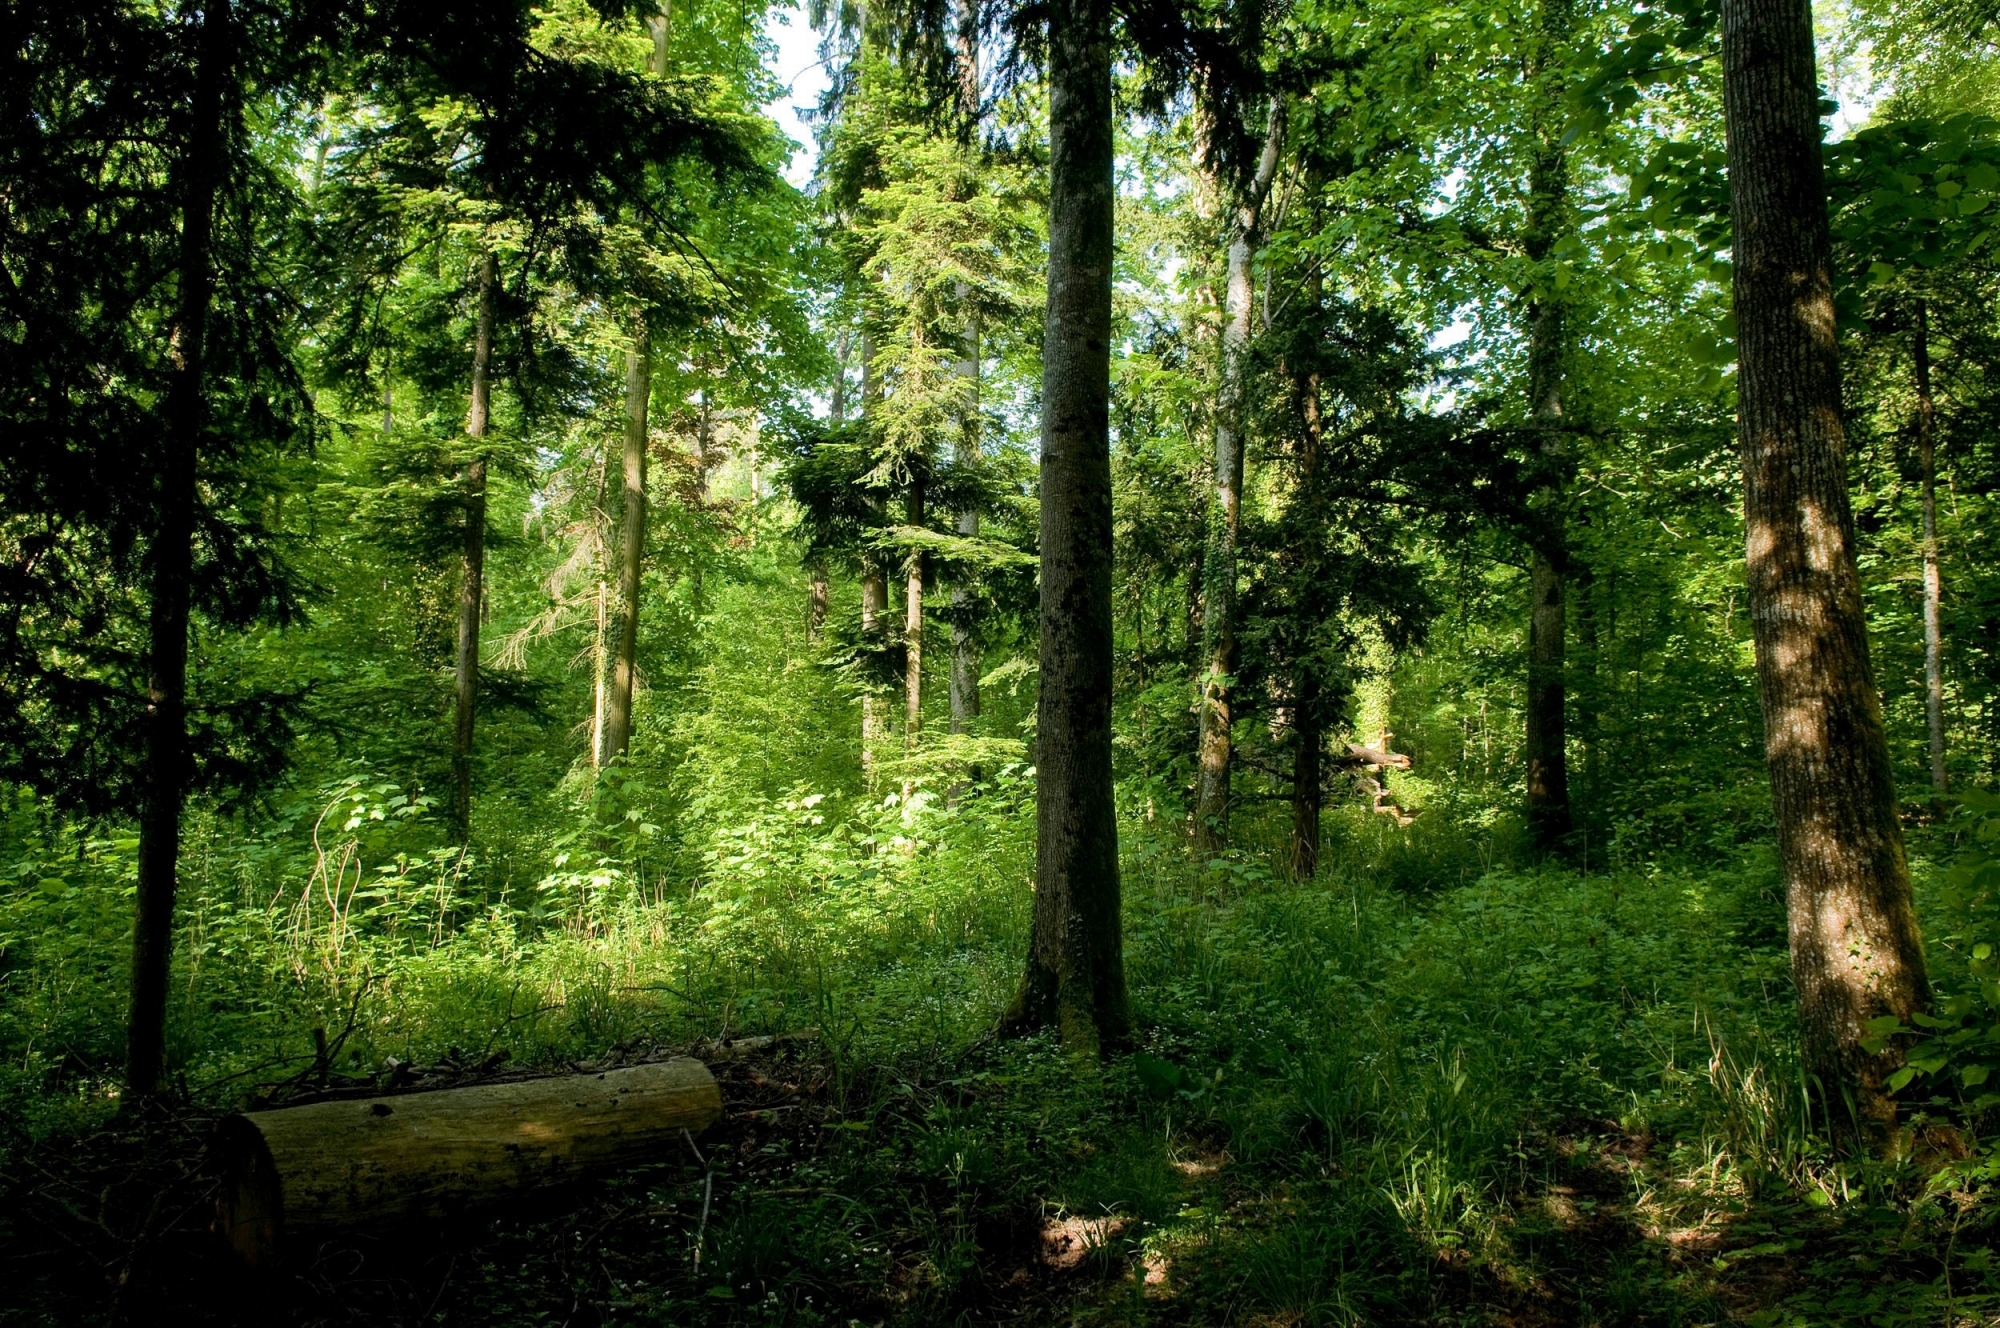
{"x": 334, "y": 1166}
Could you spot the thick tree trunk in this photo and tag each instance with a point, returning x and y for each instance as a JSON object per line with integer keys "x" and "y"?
{"x": 1211, "y": 808}
{"x": 1933, "y": 578}
{"x": 1856, "y": 952}
{"x": 1548, "y": 221}
{"x": 361, "y": 1163}
{"x": 164, "y": 769}
{"x": 1075, "y": 976}
{"x": 632, "y": 551}
{"x": 472, "y": 572}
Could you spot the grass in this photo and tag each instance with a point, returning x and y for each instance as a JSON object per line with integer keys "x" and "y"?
{"x": 1420, "y": 1089}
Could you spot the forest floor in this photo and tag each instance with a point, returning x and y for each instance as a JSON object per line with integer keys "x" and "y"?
{"x": 1420, "y": 1089}
{"x": 886, "y": 1202}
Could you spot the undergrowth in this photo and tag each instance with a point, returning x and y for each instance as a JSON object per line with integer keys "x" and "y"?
{"x": 1571, "y": 1097}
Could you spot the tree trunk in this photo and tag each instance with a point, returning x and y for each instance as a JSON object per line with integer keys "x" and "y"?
{"x": 1211, "y": 809}
{"x": 164, "y": 772}
{"x": 817, "y": 600}
{"x": 964, "y": 648}
{"x": 600, "y": 641}
{"x": 632, "y": 551}
{"x": 1548, "y": 221}
{"x": 1075, "y": 977}
{"x": 913, "y": 626}
{"x": 820, "y": 595}
{"x": 360, "y": 1163}
{"x": 472, "y": 574}
{"x": 1308, "y": 732}
{"x": 1856, "y": 952}
{"x": 1933, "y": 579}
{"x": 874, "y": 597}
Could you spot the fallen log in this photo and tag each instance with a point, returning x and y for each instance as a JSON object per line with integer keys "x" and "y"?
{"x": 334, "y": 1166}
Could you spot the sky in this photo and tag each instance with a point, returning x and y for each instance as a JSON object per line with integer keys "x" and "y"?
{"x": 798, "y": 68}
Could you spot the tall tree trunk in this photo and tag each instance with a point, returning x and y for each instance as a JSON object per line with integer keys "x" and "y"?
{"x": 600, "y": 641}
{"x": 874, "y": 595}
{"x": 964, "y": 648}
{"x": 820, "y": 595}
{"x": 1856, "y": 951}
{"x": 632, "y": 552}
{"x": 1548, "y": 221}
{"x": 913, "y": 626}
{"x": 1211, "y": 809}
{"x": 964, "y": 679}
{"x": 1586, "y": 704}
{"x": 1933, "y": 578}
{"x": 472, "y": 573}
{"x": 164, "y": 772}
{"x": 1308, "y": 728}
{"x": 1075, "y": 977}
{"x": 638, "y": 439}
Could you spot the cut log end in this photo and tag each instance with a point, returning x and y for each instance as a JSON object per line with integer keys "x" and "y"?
{"x": 341, "y": 1165}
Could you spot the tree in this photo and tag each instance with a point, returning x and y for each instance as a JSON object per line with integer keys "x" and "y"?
{"x": 1856, "y": 953}
{"x": 1549, "y": 220}
{"x": 1219, "y": 628}
{"x": 164, "y": 777}
{"x": 472, "y": 567}
{"x": 1075, "y": 975}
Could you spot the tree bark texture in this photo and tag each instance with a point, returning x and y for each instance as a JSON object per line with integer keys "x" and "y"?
{"x": 1856, "y": 953}
{"x": 1075, "y": 976}
{"x": 164, "y": 772}
{"x": 472, "y": 571}
{"x": 632, "y": 550}
{"x": 1933, "y": 577}
{"x": 365, "y": 1162}
{"x": 1211, "y": 810}
{"x": 1549, "y": 219}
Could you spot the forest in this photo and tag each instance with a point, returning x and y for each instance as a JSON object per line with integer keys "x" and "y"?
{"x": 1100, "y": 662}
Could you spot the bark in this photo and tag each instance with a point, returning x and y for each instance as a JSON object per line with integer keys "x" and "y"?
{"x": 1856, "y": 952}
{"x": 361, "y": 1163}
{"x": 632, "y": 551}
{"x": 874, "y": 595}
{"x": 164, "y": 768}
{"x": 817, "y": 600}
{"x": 1933, "y": 579}
{"x": 913, "y": 625}
{"x": 1586, "y": 704}
{"x": 600, "y": 641}
{"x": 964, "y": 648}
{"x": 1308, "y": 744}
{"x": 1308, "y": 733}
{"x": 1075, "y": 976}
{"x": 1549, "y": 219}
{"x": 472, "y": 572}
{"x": 1211, "y": 812}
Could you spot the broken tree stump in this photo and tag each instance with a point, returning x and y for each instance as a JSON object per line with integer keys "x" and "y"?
{"x": 334, "y": 1166}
